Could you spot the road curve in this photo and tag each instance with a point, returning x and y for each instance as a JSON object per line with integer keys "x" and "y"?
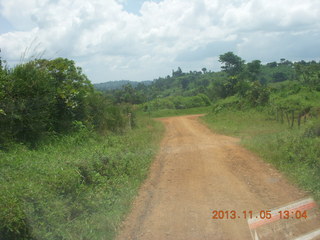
{"x": 196, "y": 172}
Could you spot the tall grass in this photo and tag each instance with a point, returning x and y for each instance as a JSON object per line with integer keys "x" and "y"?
{"x": 78, "y": 187}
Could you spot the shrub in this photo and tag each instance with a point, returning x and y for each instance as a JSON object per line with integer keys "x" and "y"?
{"x": 46, "y": 97}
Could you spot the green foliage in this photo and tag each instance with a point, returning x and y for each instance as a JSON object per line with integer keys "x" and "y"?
{"x": 277, "y": 72}
{"x": 127, "y": 94}
{"x": 45, "y": 97}
{"x": 113, "y": 85}
{"x": 230, "y": 86}
{"x": 177, "y": 73}
{"x": 78, "y": 187}
{"x": 5, "y": 130}
{"x": 233, "y": 102}
{"x": 250, "y": 94}
{"x": 27, "y": 101}
{"x": 233, "y": 64}
{"x": 309, "y": 74}
{"x": 254, "y": 67}
{"x": 297, "y": 105}
{"x": 256, "y": 94}
{"x": 103, "y": 115}
{"x": 178, "y": 102}
{"x": 71, "y": 90}
{"x": 251, "y": 81}
{"x": 313, "y": 130}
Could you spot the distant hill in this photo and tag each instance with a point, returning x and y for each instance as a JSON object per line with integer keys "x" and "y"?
{"x": 118, "y": 84}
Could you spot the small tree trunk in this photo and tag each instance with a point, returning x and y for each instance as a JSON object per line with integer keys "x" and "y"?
{"x": 299, "y": 119}
{"x": 288, "y": 118}
{"x": 292, "y": 118}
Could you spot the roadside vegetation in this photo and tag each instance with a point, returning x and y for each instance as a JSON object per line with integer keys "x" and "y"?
{"x": 280, "y": 121}
{"x": 77, "y": 187}
{"x": 293, "y": 151}
{"x": 274, "y": 108}
{"x": 72, "y": 157}
{"x": 44, "y": 98}
{"x": 71, "y": 160}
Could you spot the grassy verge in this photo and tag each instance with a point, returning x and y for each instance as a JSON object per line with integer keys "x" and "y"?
{"x": 295, "y": 151}
{"x": 79, "y": 187}
{"x": 176, "y": 112}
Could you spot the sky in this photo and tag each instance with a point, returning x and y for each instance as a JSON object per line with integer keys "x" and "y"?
{"x": 143, "y": 40}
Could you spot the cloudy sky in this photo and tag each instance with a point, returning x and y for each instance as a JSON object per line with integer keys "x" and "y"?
{"x": 142, "y": 40}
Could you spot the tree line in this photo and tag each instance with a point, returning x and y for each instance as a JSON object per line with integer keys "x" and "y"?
{"x": 288, "y": 88}
{"x": 288, "y": 99}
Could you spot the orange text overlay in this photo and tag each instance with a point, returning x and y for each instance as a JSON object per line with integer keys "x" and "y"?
{"x": 263, "y": 214}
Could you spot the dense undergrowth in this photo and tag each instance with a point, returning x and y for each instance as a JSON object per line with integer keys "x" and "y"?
{"x": 44, "y": 98}
{"x": 71, "y": 159}
{"x": 78, "y": 187}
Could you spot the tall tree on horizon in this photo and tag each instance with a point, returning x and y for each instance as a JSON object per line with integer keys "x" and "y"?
{"x": 232, "y": 64}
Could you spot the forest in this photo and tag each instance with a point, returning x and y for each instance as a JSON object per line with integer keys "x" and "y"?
{"x": 289, "y": 90}
{"x": 72, "y": 156}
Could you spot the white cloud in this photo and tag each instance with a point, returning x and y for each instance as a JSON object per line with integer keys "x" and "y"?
{"x": 110, "y": 43}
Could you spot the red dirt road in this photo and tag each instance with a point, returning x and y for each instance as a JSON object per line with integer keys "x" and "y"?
{"x": 196, "y": 172}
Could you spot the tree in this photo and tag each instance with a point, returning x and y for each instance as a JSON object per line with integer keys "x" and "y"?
{"x": 309, "y": 74}
{"x": 204, "y": 70}
{"x": 230, "y": 86}
{"x": 177, "y": 73}
{"x": 272, "y": 64}
{"x": 254, "y": 67}
{"x": 44, "y": 97}
{"x": 184, "y": 83}
{"x": 232, "y": 64}
{"x": 257, "y": 94}
{"x": 204, "y": 82}
{"x": 71, "y": 90}
{"x": 27, "y": 101}
{"x": 5, "y": 127}
{"x": 279, "y": 77}
{"x": 283, "y": 61}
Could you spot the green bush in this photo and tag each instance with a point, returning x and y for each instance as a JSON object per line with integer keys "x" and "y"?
{"x": 27, "y": 101}
{"x": 290, "y": 107}
{"x": 42, "y": 98}
{"x": 78, "y": 187}
{"x": 228, "y": 103}
{"x": 313, "y": 130}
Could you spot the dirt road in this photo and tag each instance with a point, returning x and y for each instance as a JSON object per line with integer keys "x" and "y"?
{"x": 196, "y": 172}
